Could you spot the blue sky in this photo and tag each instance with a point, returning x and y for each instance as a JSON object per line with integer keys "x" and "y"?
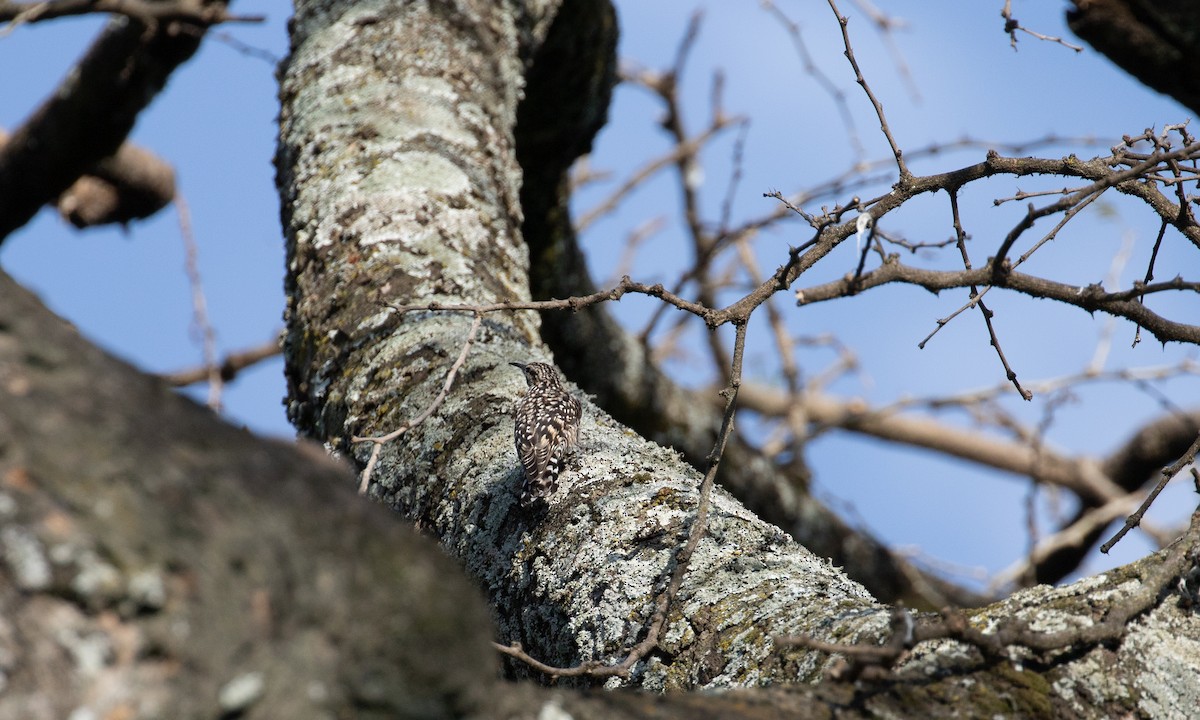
{"x": 215, "y": 124}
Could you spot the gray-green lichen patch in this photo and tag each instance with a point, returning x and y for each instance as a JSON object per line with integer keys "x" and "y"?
{"x": 25, "y": 557}
{"x": 425, "y": 172}
{"x": 1167, "y": 680}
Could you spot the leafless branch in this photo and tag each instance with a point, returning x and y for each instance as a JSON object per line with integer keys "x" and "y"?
{"x": 144, "y": 11}
{"x": 1089, "y": 297}
{"x": 844, "y": 22}
{"x": 810, "y": 67}
{"x": 87, "y": 118}
{"x": 131, "y": 184}
{"x": 1012, "y": 25}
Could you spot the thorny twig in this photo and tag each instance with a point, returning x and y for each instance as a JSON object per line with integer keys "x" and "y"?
{"x": 960, "y": 236}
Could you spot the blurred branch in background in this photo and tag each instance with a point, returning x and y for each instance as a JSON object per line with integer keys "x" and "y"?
{"x": 82, "y": 124}
{"x": 229, "y": 366}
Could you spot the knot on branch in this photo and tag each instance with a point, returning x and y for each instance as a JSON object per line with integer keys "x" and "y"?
{"x": 1000, "y": 271}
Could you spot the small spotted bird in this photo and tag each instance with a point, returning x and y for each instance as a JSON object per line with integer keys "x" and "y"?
{"x": 546, "y": 425}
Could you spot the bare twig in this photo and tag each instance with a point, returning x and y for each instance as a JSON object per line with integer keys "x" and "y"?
{"x": 1012, "y": 25}
{"x": 843, "y": 21}
{"x": 379, "y": 441}
{"x": 587, "y": 669}
{"x": 1090, "y": 297}
{"x": 806, "y": 60}
{"x": 575, "y": 303}
{"x": 200, "y": 322}
{"x": 1162, "y": 230}
{"x": 1168, "y": 472}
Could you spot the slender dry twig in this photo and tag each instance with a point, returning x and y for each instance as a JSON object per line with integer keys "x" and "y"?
{"x": 626, "y": 285}
{"x": 1015, "y": 457}
{"x": 1012, "y": 25}
{"x": 379, "y": 441}
{"x": 1162, "y": 230}
{"x": 1092, "y": 374}
{"x": 633, "y": 242}
{"x": 1168, "y": 472}
{"x": 843, "y": 21}
{"x": 1112, "y": 280}
{"x": 678, "y": 153}
{"x": 977, "y": 295}
{"x": 206, "y": 336}
{"x": 810, "y": 67}
{"x": 685, "y": 158}
{"x": 592, "y": 668}
{"x": 960, "y": 236}
{"x": 1090, "y": 297}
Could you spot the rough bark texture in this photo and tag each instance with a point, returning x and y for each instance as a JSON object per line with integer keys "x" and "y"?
{"x": 400, "y": 178}
{"x": 156, "y": 562}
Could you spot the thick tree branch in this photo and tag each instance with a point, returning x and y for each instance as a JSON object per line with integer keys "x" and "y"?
{"x": 1153, "y": 41}
{"x": 131, "y": 184}
{"x": 147, "y": 12}
{"x": 140, "y": 526}
{"x": 89, "y": 115}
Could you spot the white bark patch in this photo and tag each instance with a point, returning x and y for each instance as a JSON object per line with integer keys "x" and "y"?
{"x": 433, "y": 174}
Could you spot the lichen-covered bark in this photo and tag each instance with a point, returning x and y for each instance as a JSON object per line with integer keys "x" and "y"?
{"x": 400, "y": 182}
